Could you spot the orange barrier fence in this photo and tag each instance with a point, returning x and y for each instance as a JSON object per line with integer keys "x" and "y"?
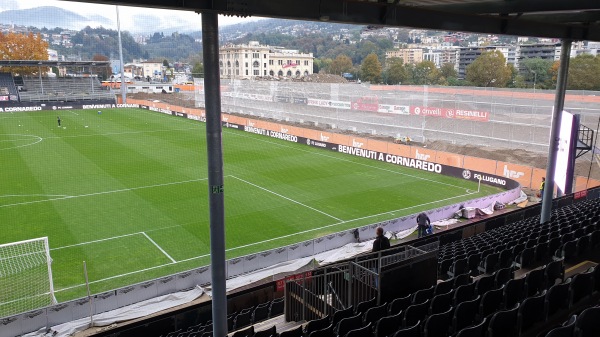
{"x": 527, "y": 176}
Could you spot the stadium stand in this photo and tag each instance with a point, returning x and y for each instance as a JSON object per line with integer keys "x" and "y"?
{"x": 8, "y": 88}
{"x": 58, "y": 89}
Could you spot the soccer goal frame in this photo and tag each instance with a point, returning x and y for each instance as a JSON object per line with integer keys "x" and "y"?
{"x": 21, "y": 261}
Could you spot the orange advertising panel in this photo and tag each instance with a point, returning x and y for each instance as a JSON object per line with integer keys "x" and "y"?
{"x": 358, "y": 142}
{"x": 377, "y": 145}
{"x": 536, "y": 178}
{"x": 520, "y": 173}
{"x": 314, "y": 134}
{"x": 447, "y": 158}
{"x": 479, "y": 164}
{"x": 338, "y": 139}
{"x": 399, "y": 150}
{"x": 422, "y": 153}
{"x": 237, "y": 120}
{"x": 292, "y": 130}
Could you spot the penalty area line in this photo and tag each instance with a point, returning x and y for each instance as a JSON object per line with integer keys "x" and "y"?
{"x": 258, "y": 243}
{"x": 159, "y": 247}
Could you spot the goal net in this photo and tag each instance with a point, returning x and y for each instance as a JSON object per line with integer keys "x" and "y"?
{"x": 25, "y": 276}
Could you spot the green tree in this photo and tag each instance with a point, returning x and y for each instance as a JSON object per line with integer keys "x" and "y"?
{"x": 584, "y": 73}
{"x": 370, "y": 69}
{"x": 489, "y": 70}
{"x": 341, "y": 64}
{"x": 536, "y": 71}
{"x": 426, "y": 73}
{"x": 447, "y": 71}
{"x": 395, "y": 73}
{"x": 198, "y": 70}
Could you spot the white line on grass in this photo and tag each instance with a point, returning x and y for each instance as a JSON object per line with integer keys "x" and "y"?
{"x": 286, "y": 198}
{"x": 346, "y": 160}
{"x": 99, "y": 240}
{"x": 256, "y": 243}
{"x": 33, "y": 195}
{"x": 36, "y": 138}
{"x": 105, "y": 192}
{"x": 159, "y": 247}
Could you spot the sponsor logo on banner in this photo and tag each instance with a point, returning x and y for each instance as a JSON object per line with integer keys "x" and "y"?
{"x": 281, "y": 283}
{"x": 21, "y": 108}
{"x": 466, "y": 174}
{"x": 422, "y": 156}
{"x": 490, "y": 179}
{"x": 512, "y": 174}
{"x": 4, "y": 98}
{"x": 481, "y": 116}
{"x": 300, "y": 100}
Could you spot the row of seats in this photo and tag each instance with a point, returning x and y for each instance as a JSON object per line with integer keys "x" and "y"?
{"x": 235, "y": 321}
{"x": 571, "y": 233}
{"x": 583, "y": 325}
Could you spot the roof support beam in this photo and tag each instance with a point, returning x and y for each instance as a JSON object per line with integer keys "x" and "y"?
{"x": 374, "y": 13}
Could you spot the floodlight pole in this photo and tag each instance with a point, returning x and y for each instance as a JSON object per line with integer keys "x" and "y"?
{"x": 559, "y": 101}
{"x": 123, "y": 85}
{"x": 212, "y": 94}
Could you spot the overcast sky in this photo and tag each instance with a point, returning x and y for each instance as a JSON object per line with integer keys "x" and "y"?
{"x": 156, "y": 17}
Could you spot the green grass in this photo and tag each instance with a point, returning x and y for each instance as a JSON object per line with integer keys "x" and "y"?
{"x": 105, "y": 184}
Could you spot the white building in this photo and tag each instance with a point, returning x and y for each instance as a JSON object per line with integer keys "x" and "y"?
{"x": 252, "y": 60}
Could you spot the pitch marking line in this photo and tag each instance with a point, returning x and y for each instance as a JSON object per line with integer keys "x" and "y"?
{"x": 159, "y": 247}
{"x": 34, "y": 138}
{"x": 347, "y": 160}
{"x": 255, "y": 243}
{"x": 286, "y": 198}
{"x": 104, "y": 192}
{"x": 96, "y": 241}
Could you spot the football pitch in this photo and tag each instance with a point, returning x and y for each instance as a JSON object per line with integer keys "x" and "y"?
{"x": 126, "y": 191}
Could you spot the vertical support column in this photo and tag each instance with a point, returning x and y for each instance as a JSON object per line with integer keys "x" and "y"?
{"x": 212, "y": 94}
{"x": 123, "y": 83}
{"x": 559, "y": 101}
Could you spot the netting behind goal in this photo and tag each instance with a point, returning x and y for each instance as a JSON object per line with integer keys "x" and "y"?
{"x": 25, "y": 276}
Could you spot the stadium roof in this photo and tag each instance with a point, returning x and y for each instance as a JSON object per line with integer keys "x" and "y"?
{"x": 564, "y": 19}
{"x": 36, "y": 63}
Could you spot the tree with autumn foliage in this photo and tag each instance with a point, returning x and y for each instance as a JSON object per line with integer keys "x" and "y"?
{"x": 370, "y": 69}
{"x": 14, "y": 46}
{"x": 489, "y": 70}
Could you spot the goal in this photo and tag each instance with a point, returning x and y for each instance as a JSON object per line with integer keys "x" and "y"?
{"x": 25, "y": 276}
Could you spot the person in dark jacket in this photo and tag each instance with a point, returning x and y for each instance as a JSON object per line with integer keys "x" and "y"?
{"x": 423, "y": 224}
{"x": 381, "y": 242}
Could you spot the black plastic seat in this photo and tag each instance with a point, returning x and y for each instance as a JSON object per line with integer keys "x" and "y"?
{"x": 272, "y": 331}
{"x": 582, "y": 286}
{"x": 553, "y": 245}
{"x": 464, "y": 293}
{"x": 374, "y": 314}
{"x": 491, "y": 302}
{"x": 566, "y": 330}
{"x": 567, "y": 251}
{"x": 473, "y": 261}
{"x": 423, "y": 295}
{"x": 501, "y": 276}
{"x": 531, "y": 312}
{"x": 248, "y": 332}
{"x": 465, "y": 314}
{"x": 260, "y": 313}
{"x": 541, "y": 251}
{"x": 505, "y": 259}
{"x": 514, "y": 292}
{"x": 276, "y": 307}
{"x": 242, "y": 319}
{"x": 400, "y": 304}
{"x": 441, "y": 302}
{"x": 485, "y": 284}
{"x": 502, "y": 323}
{"x": 586, "y": 324}
{"x": 341, "y": 314}
{"x": 316, "y": 324}
{"x": 388, "y": 325}
{"x": 362, "y": 307}
{"x": 595, "y": 239}
{"x": 327, "y": 332}
{"x": 437, "y": 325}
{"x": 443, "y": 287}
{"x": 526, "y": 259}
{"x": 297, "y": 332}
{"x": 553, "y": 271}
{"x": 459, "y": 266}
{"x": 462, "y": 279}
{"x": 349, "y": 323}
{"x": 534, "y": 282}
{"x": 557, "y": 298}
{"x": 477, "y": 330}
{"x": 415, "y": 313}
{"x": 411, "y": 331}
{"x": 583, "y": 244}
{"x": 489, "y": 264}
{"x": 365, "y": 331}
{"x": 444, "y": 267}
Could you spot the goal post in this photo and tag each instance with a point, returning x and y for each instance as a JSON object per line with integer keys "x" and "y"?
{"x": 25, "y": 276}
